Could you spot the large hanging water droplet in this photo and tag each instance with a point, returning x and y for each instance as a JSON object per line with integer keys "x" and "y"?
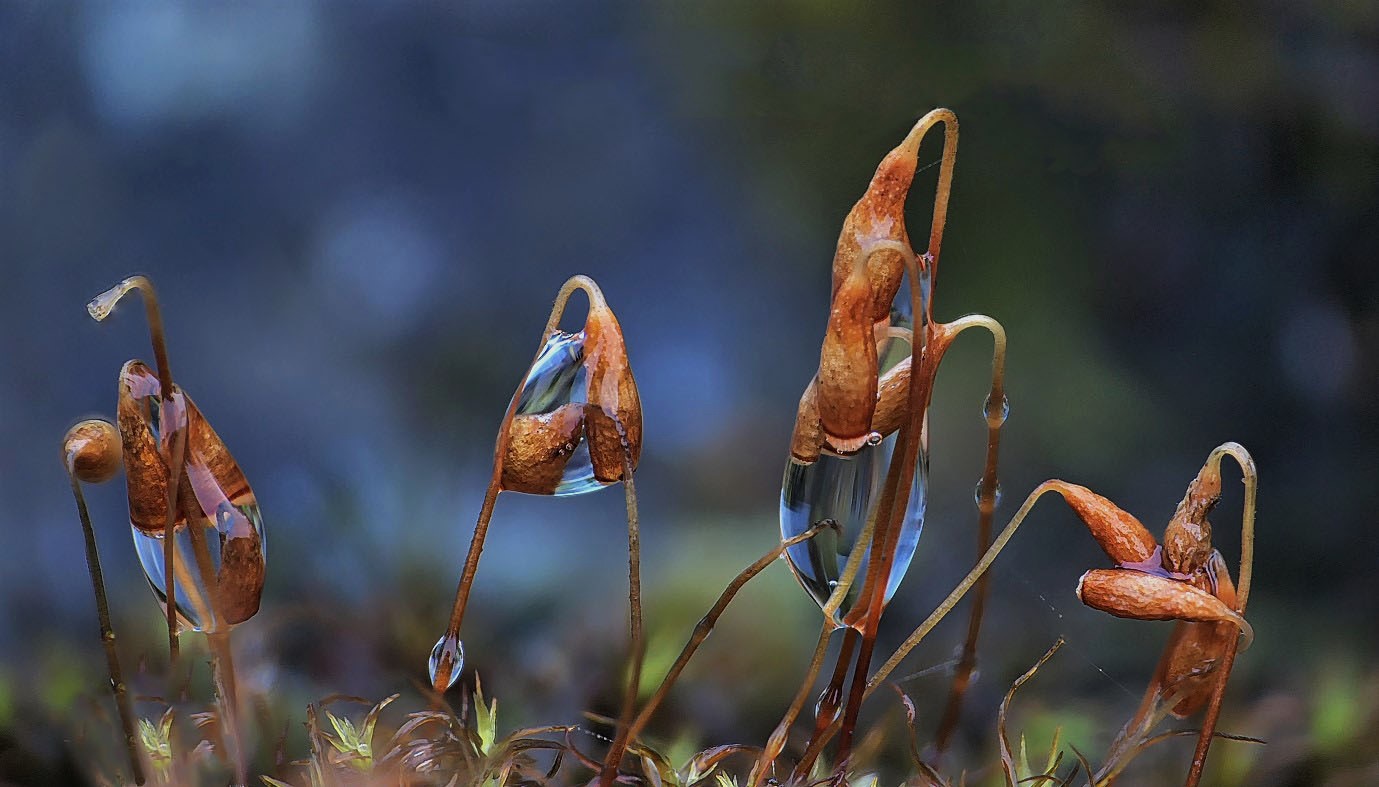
{"x": 846, "y": 490}
{"x": 548, "y": 451}
{"x": 448, "y": 657}
{"x": 219, "y": 547}
{"x": 193, "y": 605}
{"x": 996, "y": 413}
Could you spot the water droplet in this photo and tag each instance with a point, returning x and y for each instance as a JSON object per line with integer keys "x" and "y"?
{"x": 223, "y": 513}
{"x": 995, "y": 416}
{"x": 995, "y": 497}
{"x": 874, "y": 438}
{"x": 830, "y": 702}
{"x": 846, "y": 490}
{"x": 448, "y": 657}
{"x": 548, "y": 450}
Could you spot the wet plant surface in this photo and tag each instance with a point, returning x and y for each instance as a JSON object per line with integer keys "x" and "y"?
{"x": 357, "y": 233}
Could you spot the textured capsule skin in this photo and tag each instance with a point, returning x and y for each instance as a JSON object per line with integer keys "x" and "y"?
{"x": 539, "y": 446}
{"x": 614, "y": 415}
{"x": 1120, "y": 535}
{"x": 1127, "y": 593}
{"x": 1187, "y": 538}
{"x": 878, "y": 215}
{"x": 847, "y": 380}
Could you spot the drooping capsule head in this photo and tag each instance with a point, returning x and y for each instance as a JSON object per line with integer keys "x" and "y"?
{"x": 577, "y": 413}
{"x": 614, "y": 412}
{"x": 92, "y": 448}
{"x": 879, "y": 214}
{"x": 214, "y": 496}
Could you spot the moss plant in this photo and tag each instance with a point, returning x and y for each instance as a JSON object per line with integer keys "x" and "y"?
{"x": 573, "y": 426}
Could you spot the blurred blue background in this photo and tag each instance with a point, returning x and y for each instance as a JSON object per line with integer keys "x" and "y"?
{"x": 357, "y": 215}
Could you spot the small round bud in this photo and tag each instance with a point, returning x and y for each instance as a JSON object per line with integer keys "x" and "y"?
{"x": 92, "y": 448}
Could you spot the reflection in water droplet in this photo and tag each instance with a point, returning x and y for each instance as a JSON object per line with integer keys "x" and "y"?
{"x": 995, "y": 497}
{"x": 193, "y": 597}
{"x": 846, "y": 490}
{"x": 833, "y": 699}
{"x": 215, "y": 499}
{"x": 448, "y": 654}
{"x": 995, "y": 416}
{"x": 549, "y": 451}
{"x": 874, "y": 438}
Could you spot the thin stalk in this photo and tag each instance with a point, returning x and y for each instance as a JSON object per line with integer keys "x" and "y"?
{"x": 986, "y": 507}
{"x": 442, "y": 681}
{"x": 704, "y": 627}
{"x": 177, "y": 471}
{"x": 222, "y": 654}
{"x": 1247, "y": 539}
{"x": 874, "y": 590}
{"x": 128, "y": 723}
{"x": 776, "y": 743}
{"x": 925, "y": 357}
{"x": 634, "y": 607}
{"x": 944, "y": 188}
{"x": 879, "y": 677}
{"x": 100, "y": 308}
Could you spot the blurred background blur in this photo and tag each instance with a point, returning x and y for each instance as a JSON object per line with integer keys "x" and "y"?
{"x": 357, "y": 216}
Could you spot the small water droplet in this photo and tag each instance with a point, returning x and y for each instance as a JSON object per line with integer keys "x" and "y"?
{"x": 995, "y": 416}
{"x": 995, "y": 497}
{"x": 874, "y": 438}
{"x": 448, "y": 654}
{"x": 846, "y": 490}
{"x": 834, "y": 702}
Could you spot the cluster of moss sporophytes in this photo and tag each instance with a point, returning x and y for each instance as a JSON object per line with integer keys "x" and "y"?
{"x": 852, "y": 509}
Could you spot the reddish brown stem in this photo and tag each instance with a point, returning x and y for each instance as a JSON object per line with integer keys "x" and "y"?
{"x": 638, "y": 642}
{"x": 986, "y": 508}
{"x": 704, "y": 627}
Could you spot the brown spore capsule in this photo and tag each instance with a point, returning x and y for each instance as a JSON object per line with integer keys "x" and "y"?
{"x": 539, "y": 447}
{"x": 878, "y": 215}
{"x": 1126, "y": 593}
{"x": 146, "y": 471}
{"x": 847, "y": 381}
{"x": 1187, "y": 538}
{"x": 92, "y": 448}
{"x": 613, "y": 417}
{"x": 1120, "y": 534}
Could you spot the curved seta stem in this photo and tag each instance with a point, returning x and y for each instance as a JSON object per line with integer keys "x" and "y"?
{"x": 442, "y": 679}
{"x": 1247, "y": 545}
{"x": 100, "y": 308}
{"x": 986, "y": 507}
{"x": 944, "y": 188}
